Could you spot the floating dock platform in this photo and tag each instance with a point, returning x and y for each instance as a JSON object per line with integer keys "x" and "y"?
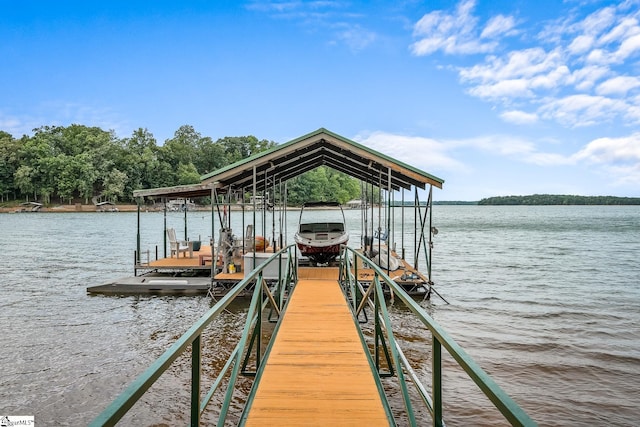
{"x": 153, "y": 284}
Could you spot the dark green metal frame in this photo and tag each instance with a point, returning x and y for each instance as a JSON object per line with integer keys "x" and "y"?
{"x": 249, "y": 346}
{"x": 374, "y": 297}
{"x": 192, "y": 339}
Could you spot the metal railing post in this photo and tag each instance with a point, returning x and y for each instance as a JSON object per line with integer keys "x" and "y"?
{"x": 436, "y": 370}
{"x": 376, "y": 322}
{"x": 196, "y": 361}
{"x": 259, "y": 319}
{"x": 138, "y": 235}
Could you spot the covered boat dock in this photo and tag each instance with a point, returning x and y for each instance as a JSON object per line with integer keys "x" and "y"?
{"x": 257, "y": 187}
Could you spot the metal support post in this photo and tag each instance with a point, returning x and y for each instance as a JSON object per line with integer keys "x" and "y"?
{"x": 437, "y": 381}
{"x": 196, "y": 361}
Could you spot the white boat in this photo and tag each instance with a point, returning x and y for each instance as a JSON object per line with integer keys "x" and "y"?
{"x": 321, "y": 241}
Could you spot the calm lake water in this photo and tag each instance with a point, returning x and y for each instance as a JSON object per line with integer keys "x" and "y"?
{"x": 545, "y": 299}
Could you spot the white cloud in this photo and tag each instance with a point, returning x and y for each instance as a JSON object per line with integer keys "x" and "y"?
{"x": 582, "y": 110}
{"x": 624, "y": 150}
{"x": 527, "y": 63}
{"x": 598, "y": 21}
{"x": 499, "y": 25}
{"x": 9, "y": 123}
{"x": 298, "y": 7}
{"x": 586, "y": 78}
{"x": 519, "y": 117}
{"x": 18, "y": 125}
{"x": 549, "y": 159}
{"x": 619, "y": 85}
{"x": 577, "y": 72}
{"x": 598, "y": 57}
{"x": 551, "y": 80}
{"x": 633, "y": 111}
{"x": 444, "y": 155}
{"x": 503, "y": 145}
{"x": 627, "y": 48}
{"x": 628, "y": 175}
{"x": 458, "y": 32}
{"x": 356, "y": 37}
{"x": 619, "y": 158}
{"x": 581, "y": 44}
{"x": 513, "y": 147}
{"x": 627, "y": 28}
{"x": 334, "y": 17}
{"x": 515, "y": 88}
{"x": 425, "y": 153}
{"x": 517, "y": 76}
{"x": 63, "y": 114}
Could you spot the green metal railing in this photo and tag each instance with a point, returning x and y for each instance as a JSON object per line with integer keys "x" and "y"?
{"x": 240, "y": 357}
{"x": 373, "y": 296}
{"x": 249, "y": 348}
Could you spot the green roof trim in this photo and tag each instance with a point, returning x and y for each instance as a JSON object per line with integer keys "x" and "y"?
{"x": 318, "y": 133}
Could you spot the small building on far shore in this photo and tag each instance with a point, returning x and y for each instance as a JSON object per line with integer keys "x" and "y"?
{"x": 106, "y": 207}
{"x": 29, "y": 207}
{"x": 354, "y": 204}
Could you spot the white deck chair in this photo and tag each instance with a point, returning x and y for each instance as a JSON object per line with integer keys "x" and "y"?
{"x": 178, "y": 246}
{"x": 248, "y": 239}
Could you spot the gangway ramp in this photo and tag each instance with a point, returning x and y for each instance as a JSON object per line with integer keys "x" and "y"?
{"x": 317, "y": 372}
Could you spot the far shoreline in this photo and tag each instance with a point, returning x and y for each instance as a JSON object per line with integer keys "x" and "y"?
{"x": 68, "y": 209}
{"x": 531, "y": 200}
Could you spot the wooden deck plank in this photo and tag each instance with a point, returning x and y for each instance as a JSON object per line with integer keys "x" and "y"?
{"x": 182, "y": 261}
{"x": 318, "y": 273}
{"x": 317, "y": 372}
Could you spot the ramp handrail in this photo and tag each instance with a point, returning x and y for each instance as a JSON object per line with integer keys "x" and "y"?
{"x": 359, "y": 296}
{"x": 192, "y": 338}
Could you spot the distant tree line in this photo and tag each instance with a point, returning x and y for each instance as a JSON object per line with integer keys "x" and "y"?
{"x": 455, "y": 202}
{"x": 558, "y": 199}
{"x": 79, "y": 164}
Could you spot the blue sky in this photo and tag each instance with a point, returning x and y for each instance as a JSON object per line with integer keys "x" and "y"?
{"x": 496, "y": 97}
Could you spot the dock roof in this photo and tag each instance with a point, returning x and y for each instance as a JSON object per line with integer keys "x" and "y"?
{"x": 319, "y": 148}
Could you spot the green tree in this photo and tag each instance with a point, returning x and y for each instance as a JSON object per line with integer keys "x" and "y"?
{"x": 182, "y": 148}
{"x": 24, "y": 180}
{"x": 139, "y": 161}
{"x": 9, "y": 148}
{"x": 114, "y": 185}
{"x": 559, "y": 199}
{"x": 322, "y": 184}
{"x": 49, "y": 169}
{"x": 237, "y": 148}
{"x": 72, "y": 161}
{"x": 211, "y": 156}
{"x": 187, "y": 174}
{"x": 36, "y": 154}
{"x": 76, "y": 177}
{"x": 83, "y": 162}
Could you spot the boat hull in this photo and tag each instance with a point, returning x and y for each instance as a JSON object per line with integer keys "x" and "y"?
{"x": 321, "y": 241}
{"x": 321, "y": 251}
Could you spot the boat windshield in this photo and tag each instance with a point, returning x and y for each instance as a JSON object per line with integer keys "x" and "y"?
{"x": 322, "y": 218}
{"x": 322, "y": 227}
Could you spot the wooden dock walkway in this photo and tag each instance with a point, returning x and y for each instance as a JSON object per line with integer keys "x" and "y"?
{"x": 317, "y": 373}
